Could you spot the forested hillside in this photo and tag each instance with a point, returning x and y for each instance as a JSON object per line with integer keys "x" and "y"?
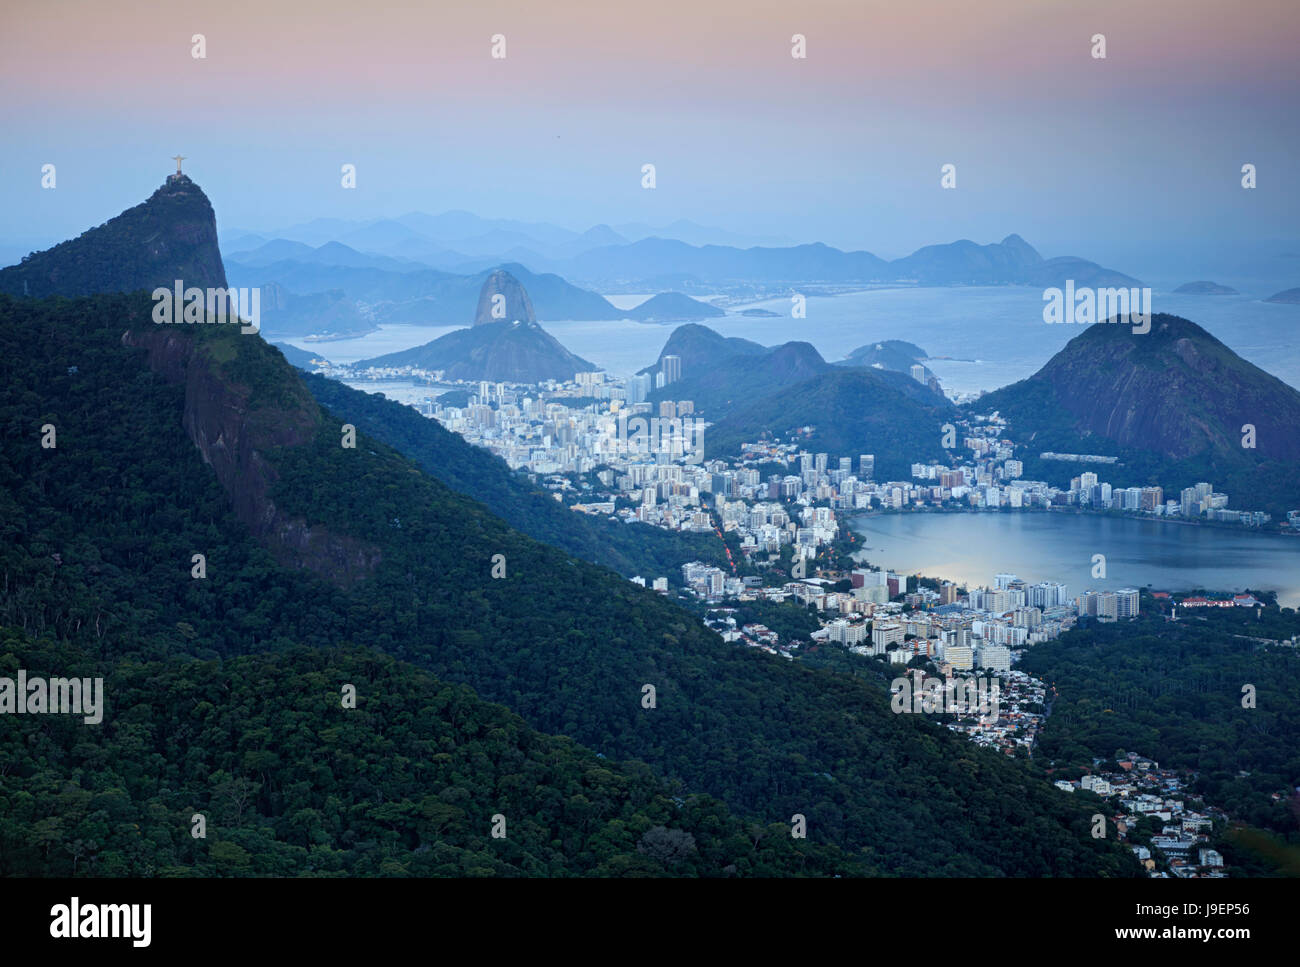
{"x": 98, "y": 545}
{"x": 286, "y": 781}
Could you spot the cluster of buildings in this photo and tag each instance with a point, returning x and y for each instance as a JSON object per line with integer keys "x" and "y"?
{"x": 1140, "y": 788}
{"x": 651, "y": 466}
{"x": 976, "y": 628}
{"x": 992, "y": 478}
{"x": 1021, "y": 714}
{"x": 751, "y": 635}
{"x": 980, "y": 630}
{"x": 1236, "y": 601}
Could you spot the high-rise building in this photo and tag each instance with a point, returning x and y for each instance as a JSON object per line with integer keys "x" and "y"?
{"x": 672, "y": 369}
{"x": 867, "y": 466}
{"x": 638, "y": 388}
{"x": 960, "y": 657}
{"x": 717, "y": 581}
{"x": 995, "y": 657}
{"x": 1103, "y": 605}
{"x": 1126, "y": 603}
{"x": 918, "y": 373}
{"x": 846, "y": 633}
{"x": 883, "y": 635}
{"x": 1152, "y": 498}
{"x": 1046, "y": 594}
{"x": 1030, "y": 619}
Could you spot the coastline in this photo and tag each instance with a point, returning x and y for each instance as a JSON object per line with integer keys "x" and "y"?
{"x": 1274, "y": 529}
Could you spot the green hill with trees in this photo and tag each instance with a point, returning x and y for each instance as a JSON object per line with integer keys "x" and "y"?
{"x": 100, "y": 534}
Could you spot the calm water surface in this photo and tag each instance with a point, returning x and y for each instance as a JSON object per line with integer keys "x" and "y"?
{"x": 972, "y": 547}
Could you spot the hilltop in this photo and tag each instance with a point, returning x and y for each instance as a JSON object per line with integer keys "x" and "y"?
{"x": 512, "y": 349}
{"x": 1171, "y": 403}
{"x": 172, "y": 235}
{"x": 673, "y": 307}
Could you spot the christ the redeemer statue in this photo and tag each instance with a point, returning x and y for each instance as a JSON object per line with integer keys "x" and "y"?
{"x": 178, "y": 159}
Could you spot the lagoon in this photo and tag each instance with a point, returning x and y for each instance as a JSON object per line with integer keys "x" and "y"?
{"x": 971, "y": 547}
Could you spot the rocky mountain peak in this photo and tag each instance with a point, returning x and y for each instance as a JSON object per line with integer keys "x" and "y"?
{"x": 503, "y": 299}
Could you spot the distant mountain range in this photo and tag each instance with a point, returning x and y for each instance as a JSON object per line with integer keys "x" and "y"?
{"x": 402, "y": 276}
{"x": 331, "y": 253}
{"x": 419, "y": 296}
{"x": 1009, "y": 262}
{"x": 463, "y": 243}
{"x": 460, "y": 236}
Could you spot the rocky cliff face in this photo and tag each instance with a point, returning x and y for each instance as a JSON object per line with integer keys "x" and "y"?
{"x": 171, "y": 236}
{"x": 517, "y": 306}
{"x": 233, "y": 437}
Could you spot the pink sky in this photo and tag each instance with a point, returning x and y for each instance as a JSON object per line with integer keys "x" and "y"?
{"x": 843, "y": 146}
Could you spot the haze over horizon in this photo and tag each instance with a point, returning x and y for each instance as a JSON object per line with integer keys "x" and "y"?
{"x": 844, "y": 147}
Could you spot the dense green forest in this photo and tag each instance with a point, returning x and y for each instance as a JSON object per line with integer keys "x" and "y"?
{"x": 1174, "y": 692}
{"x": 97, "y": 551}
{"x": 290, "y": 782}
